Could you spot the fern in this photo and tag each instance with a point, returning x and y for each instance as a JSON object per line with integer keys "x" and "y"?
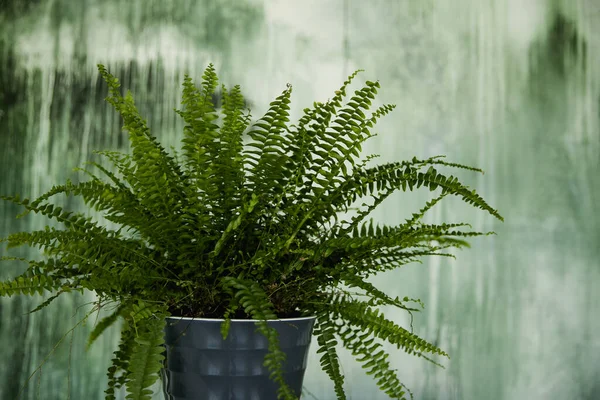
{"x": 29, "y": 285}
{"x": 375, "y": 361}
{"x": 48, "y": 301}
{"x": 244, "y": 221}
{"x": 118, "y": 374}
{"x": 146, "y": 358}
{"x": 330, "y": 363}
{"x": 105, "y": 323}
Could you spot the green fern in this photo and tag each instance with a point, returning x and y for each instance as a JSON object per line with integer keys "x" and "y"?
{"x": 105, "y": 323}
{"x": 49, "y": 300}
{"x": 29, "y": 285}
{"x": 118, "y": 373}
{"x": 244, "y": 221}
{"x": 146, "y": 358}
{"x": 325, "y": 331}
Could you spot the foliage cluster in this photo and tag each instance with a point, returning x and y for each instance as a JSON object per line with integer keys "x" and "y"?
{"x": 244, "y": 221}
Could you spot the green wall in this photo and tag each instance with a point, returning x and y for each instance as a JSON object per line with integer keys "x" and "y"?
{"x": 510, "y": 86}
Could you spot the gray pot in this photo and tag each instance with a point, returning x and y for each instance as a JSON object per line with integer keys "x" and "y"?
{"x": 200, "y": 365}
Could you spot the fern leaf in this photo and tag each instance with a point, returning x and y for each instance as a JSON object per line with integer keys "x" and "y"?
{"x": 150, "y": 157}
{"x": 375, "y": 361}
{"x": 231, "y": 161}
{"x": 201, "y": 144}
{"x": 377, "y": 297}
{"x": 29, "y": 285}
{"x": 105, "y": 323}
{"x": 49, "y": 300}
{"x": 324, "y": 331}
{"x": 74, "y": 221}
{"x": 361, "y": 315}
{"x": 266, "y": 164}
{"x": 118, "y": 371}
{"x": 146, "y": 359}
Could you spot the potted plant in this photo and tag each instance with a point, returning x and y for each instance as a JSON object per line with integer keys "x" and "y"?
{"x": 248, "y": 227}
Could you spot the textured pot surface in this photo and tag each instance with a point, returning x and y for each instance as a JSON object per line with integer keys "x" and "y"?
{"x": 200, "y": 365}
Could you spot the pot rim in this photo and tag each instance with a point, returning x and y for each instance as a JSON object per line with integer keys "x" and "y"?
{"x": 237, "y": 320}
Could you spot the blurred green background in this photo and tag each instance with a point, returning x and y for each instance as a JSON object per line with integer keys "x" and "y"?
{"x": 510, "y": 86}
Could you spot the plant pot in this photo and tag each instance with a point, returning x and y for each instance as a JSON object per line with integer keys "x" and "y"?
{"x": 201, "y": 365}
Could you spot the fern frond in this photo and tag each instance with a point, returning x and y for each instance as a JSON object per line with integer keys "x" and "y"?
{"x": 82, "y": 252}
{"x": 337, "y": 143}
{"x": 141, "y": 311}
{"x": 324, "y": 331}
{"x": 201, "y": 146}
{"x": 146, "y": 357}
{"x": 74, "y": 221}
{"x": 428, "y": 206}
{"x": 115, "y": 180}
{"x": 125, "y": 166}
{"x": 341, "y": 92}
{"x": 49, "y": 300}
{"x": 307, "y": 137}
{"x": 266, "y": 156}
{"x": 231, "y": 160}
{"x": 58, "y": 268}
{"x": 362, "y": 326}
{"x": 106, "y": 323}
{"x": 376, "y": 296}
{"x": 372, "y": 322}
{"x": 402, "y": 176}
{"x": 455, "y": 165}
{"x": 375, "y": 360}
{"x": 118, "y": 372}
{"x": 362, "y": 214}
{"x": 29, "y": 285}
{"x": 159, "y": 184}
